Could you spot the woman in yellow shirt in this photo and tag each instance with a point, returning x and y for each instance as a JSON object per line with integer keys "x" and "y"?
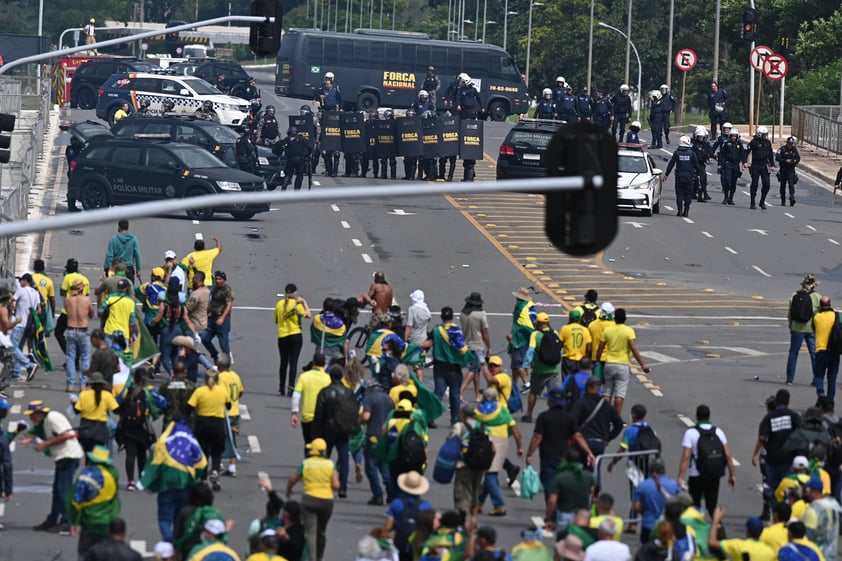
{"x": 210, "y": 402}
{"x": 93, "y": 407}
{"x": 288, "y": 314}
{"x": 320, "y": 481}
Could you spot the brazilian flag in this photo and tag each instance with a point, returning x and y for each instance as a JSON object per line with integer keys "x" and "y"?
{"x": 177, "y": 460}
{"x": 331, "y": 328}
{"x": 40, "y": 343}
{"x": 142, "y": 348}
{"x": 427, "y": 401}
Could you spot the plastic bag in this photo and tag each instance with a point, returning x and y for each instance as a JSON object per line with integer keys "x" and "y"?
{"x": 530, "y": 483}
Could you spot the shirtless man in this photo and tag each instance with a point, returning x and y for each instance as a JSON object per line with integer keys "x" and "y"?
{"x": 379, "y": 295}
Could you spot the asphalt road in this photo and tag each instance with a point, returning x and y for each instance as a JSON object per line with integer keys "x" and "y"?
{"x": 709, "y": 320}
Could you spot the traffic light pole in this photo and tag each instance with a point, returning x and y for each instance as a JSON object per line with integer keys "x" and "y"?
{"x": 128, "y": 39}
{"x": 751, "y": 90}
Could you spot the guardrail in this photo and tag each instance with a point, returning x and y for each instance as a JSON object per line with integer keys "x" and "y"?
{"x": 819, "y": 125}
{"x": 635, "y": 465}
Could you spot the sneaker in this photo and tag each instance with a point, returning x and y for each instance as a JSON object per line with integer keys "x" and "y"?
{"x": 138, "y": 485}
{"x": 511, "y": 475}
{"x": 358, "y": 473}
{"x": 131, "y": 486}
{"x": 498, "y": 511}
{"x": 526, "y": 419}
{"x": 44, "y": 526}
{"x": 791, "y": 202}
{"x": 343, "y": 494}
{"x": 69, "y": 389}
{"x": 30, "y": 372}
{"x": 375, "y": 501}
{"x": 229, "y": 473}
{"x": 64, "y": 529}
{"x": 214, "y": 480}
{"x": 526, "y": 387}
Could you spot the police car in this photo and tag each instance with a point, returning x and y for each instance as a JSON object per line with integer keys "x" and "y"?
{"x": 639, "y": 182}
{"x": 124, "y": 171}
{"x": 522, "y": 152}
{"x": 187, "y": 94}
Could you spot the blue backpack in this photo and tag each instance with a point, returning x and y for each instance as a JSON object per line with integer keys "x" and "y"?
{"x": 446, "y": 460}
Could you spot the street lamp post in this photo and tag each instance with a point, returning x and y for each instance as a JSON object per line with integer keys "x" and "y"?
{"x": 529, "y": 38}
{"x": 669, "y": 45}
{"x": 506, "y": 25}
{"x": 590, "y": 48}
{"x": 639, "y": 68}
{"x": 486, "y": 22}
{"x": 628, "y": 40}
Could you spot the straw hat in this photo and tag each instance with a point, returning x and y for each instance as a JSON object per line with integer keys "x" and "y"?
{"x": 413, "y": 483}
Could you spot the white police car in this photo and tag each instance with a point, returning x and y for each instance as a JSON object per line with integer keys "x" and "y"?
{"x": 639, "y": 182}
{"x": 187, "y": 93}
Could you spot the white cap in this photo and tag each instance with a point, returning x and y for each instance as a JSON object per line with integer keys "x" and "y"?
{"x": 215, "y": 526}
{"x": 268, "y": 532}
{"x": 607, "y": 307}
{"x": 800, "y": 462}
{"x": 169, "y": 254}
{"x": 164, "y": 549}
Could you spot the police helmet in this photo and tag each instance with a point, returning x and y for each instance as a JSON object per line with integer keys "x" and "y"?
{"x": 762, "y": 132}
{"x": 726, "y": 125}
{"x": 388, "y": 114}
{"x": 547, "y": 93}
{"x": 304, "y": 110}
{"x": 168, "y": 105}
{"x": 684, "y": 141}
{"x": 624, "y": 87}
{"x": 427, "y": 114}
{"x": 251, "y": 79}
{"x": 144, "y": 103}
{"x": 791, "y": 140}
{"x": 270, "y": 109}
{"x": 568, "y": 86}
{"x": 600, "y": 92}
{"x": 664, "y": 88}
{"x": 292, "y": 131}
{"x": 635, "y": 125}
{"x": 423, "y": 94}
{"x": 220, "y": 75}
{"x": 584, "y": 89}
{"x": 329, "y": 76}
{"x": 255, "y": 104}
{"x": 700, "y": 131}
{"x": 734, "y": 132}
{"x": 560, "y": 79}
{"x": 431, "y": 69}
{"x": 410, "y": 113}
{"x": 655, "y": 94}
{"x": 207, "y": 105}
{"x": 464, "y": 78}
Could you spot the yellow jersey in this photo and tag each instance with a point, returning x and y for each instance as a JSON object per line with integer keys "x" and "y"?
{"x": 317, "y": 474}
{"x": 209, "y": 401}
{"x": 121, "y": 310}
{"x": 597, "y": 328}
{"x": 575, "y": 337}
{"x": 202, "y": 261}
{"x": 309, "y": 385}
{"x": 87, "y": 407}
{"x": 288, "y": 314}
{"x": 757, "y": 550}
{"x": 617, "y": 339}
{"x": 396, "y": 391}
{"x": 232, "y": 382}
{"x": 45, "y": 286}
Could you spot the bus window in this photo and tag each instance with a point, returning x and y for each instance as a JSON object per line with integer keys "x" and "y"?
{"x": 475, "y": 62}
{"x": 438, "y": 59}
{"x": 361, "y": 53}
{"x": 331, "y": 55}
{"x": 503, "y": 67}
{"x": 407, "y": 58}
{"x": 454, "y": 60}
{"x": 377, "y": 52}
{"x": 423, "y": 57}
{"x": 314, "y": 51}
{"x": 346, "y": 53}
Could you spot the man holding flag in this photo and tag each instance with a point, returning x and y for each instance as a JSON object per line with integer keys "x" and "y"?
{"x": 450, "y": 355}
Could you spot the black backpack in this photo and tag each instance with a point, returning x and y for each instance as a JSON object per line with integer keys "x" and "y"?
{"x": 710, "y": 453}
{"x": 572, "y": 391}
{"x": 549, "y": 351}
{"x": 412, "y": 452}
{"x": 646, "y": 439}
{"x": 834, "y": 341}
{"x": 801, "y": 307}
{"x": 480, "y": 452}
{"x": 346, "y": 412}
{"x": 810, "y": 432}
{"x": 588, "y": 314}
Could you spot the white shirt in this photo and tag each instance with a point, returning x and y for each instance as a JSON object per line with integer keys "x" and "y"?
{"x": 608, "y": 550}
{"x": 55, "y": 424}
{"x": 691, "y": 439}
{"x": 26, "y": 297}
{"x": 178, "y": 273}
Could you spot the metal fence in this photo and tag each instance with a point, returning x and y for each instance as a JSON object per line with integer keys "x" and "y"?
{"x": 18, "y": 176}
{"x": 819, "y": 125}
{"x": 635, "y": 466}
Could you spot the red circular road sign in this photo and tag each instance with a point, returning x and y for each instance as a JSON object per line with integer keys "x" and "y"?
{"x": 775, "y": 67}
{"x": 685, "y": 59}
{"x": 758, "y": 55}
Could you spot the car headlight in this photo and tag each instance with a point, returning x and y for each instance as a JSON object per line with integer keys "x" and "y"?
{"x": 644, "y": 185}
{"x": 229, "y": 186}
{"x": 263, "y": 161}
{"x": 228, "y": 107}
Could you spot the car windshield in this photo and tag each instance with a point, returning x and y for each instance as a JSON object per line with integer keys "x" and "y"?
{"x": 631, "y": 164}
{"x": 197, "y": 158}
{"x": 533, "y": 139}
{"x": 201, "y": 87}
{"x": 221, "y": 133}
{"x": 144, "y": 66}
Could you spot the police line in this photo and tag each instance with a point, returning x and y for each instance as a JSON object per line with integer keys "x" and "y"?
{"x": 383, "y": 193}
{"x": 407, "y": 137}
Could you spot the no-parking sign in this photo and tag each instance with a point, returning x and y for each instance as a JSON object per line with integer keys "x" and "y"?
{"x": 685, "y": 60}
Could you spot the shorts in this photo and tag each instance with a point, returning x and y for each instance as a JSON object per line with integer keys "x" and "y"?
{"x": 467, "y": 486}
{"x": 518, "y": 356}
{"x": 476, "y": 367}
{"x": 616, "y": 379}
{"x": 569, "y": 366}
{"x": 598, "y": 367}
{"x": 538, "y": 382}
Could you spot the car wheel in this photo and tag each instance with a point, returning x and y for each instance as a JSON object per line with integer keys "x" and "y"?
{"x": 243, "y": 215}
{"x": 199, "y": 213}
{"x": 656, "y": 208}
{"x": 498, "y": 110}
{"x": 86, "y": 98}
{"x": 367, "y": 101}
{"x": 94, "y": 196}
{"x": 647, "y": 212}
{"x": 111, "y": 113}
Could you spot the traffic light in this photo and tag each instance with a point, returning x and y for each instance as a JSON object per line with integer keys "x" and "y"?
{"x": 582, "y": 222}
{"x": 749, "y": 24}
{"x": 265, "y": 38}
{"x": 788, "y": 46}
{"x": 7, "y": 124}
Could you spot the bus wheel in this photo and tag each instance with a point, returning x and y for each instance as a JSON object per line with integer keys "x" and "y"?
{"x": 498, "y": 110}
{"x": 366, "y": 101}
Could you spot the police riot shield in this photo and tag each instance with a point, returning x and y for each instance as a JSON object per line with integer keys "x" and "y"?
{"x": 306, "y": 127}
{"x": 448, "y": 136}
{"x": 470, "y": 139}
{"x": 430, "y": 137}
{"x": 370, "y": 137}
{"x": 385, "y": 145}
{"x": 353, "y": 133}
{"x": 409, "y": 136}
{"x": 331, "y": 140}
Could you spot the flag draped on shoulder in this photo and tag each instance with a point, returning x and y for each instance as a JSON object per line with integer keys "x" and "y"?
{"x": 142, "y": 348}
{"x": 449, "y": 346}
{"x": 176, "y": 462}
{"x": 329, "y": 326}
{"x": 40, "y": 351}
{"x": 428, "y": 402}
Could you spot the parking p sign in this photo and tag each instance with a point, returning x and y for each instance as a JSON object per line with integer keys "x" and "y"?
{"x": 685, "y": 60}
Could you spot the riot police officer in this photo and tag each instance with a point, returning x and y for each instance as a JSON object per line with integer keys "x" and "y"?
{"x": 246, "y": 153}
{"x": 221, "y": 85}
{"x": 251, "y": 91}
{"x": 632, "y": 136}
{"x": 731, "y": 155}
{"x": 787, "y": 158}
{"x": 622, "y": 112}
{"x": 329, "y": 96}
{"x": 144, "y": 110}
{"x": 667, "y": 107}
{"x": 603, "y": 111}
{"x": 468, "y": 103}
{"x": 353, "y": 160}
{"x": 451, "y": 94}
{"x": 762, "y": 158}
{"x": 431, "y": 85}
{"x": 566, "y": 105}
{"x": 717, "y": 146}
{"x": 423, "y": 104}
{"x": 368, "y": 156}
{"x": 411, "y": 164}
{"x": 73, "y": 149}
{"x": 207, "y": 113}
{"x": 297, "y": 150}
{"x": 253, "y": 118}
{"x": 546, "y": 107}
{"x": 168, "y": 108}
{"x": 717, "y": 105}
{"x": 656, "y": 118}
{"x": 584, "y": 105}
{"x": 268, "y": 129}
{"x": 685, "y": 164}
{"x": 390, "y": 162}
{"x": 559, "y": 89}
{"x": 701, "y": 148}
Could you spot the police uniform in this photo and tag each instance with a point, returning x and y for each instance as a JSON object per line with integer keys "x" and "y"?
{"x": 667, "y": 107}
{"x": 761, "y": 158}
{"x": 656, "y": 121}
{"x": 246, "y": 154}
{"x": 431, "y": 85}
{"x": 268, "y": 130}
{"x": 469, "y": 106}
{"x": 603, "y": 111}
{"x": 731, "y": 155}
{"x": 330, "y": 99}
{"x": 584, "y": 105}
{"x": 717, "y": 102}
{"x": 369, "y": 159}
{"x": 788, "y": 157}
{"x": 622, "y": 112}
{"x": 702, "y": 150}
{"x": 566, "y": 107}
{"x": 389, "y": 163}
{"x": 546, "y": 109}
{"x": 685, "y": 164}
{"x": 451, "y": 95}
{"x": 297, "y": 151}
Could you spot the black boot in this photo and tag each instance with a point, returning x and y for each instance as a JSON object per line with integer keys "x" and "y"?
{"x": 752, "y": 204}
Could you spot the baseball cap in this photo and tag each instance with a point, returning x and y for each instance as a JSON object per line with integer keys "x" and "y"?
{"x": 215, "y": 526}
{"x": 221, "y": 275}
{"x": 815, "y": 483}
{"x": 575, "y": 314}
{"x": 607, "y": 307}
{"x": 800, "y": 462}
{"x": 495, "y": 360}
{"x": 268, "y": 533}
{"x": 754, "y": 525}
{"x": 543, "y": 317}
{"x": 159, "y": 272}
{"x": 169, "y": 254}
{"x": 164, "y": 550}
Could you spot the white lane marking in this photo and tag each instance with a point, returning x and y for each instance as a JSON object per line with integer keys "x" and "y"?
{"x": 742, "y": 350}
{"x": 316, "y": 183}
{"x": 759, "y": 231}
{"x": 746, "y": 193}
{"x": 707, "y": 234}
{"x": 345, "y": 225}
{"x": 761, "y": 271}
{"x": 140, "y": 547}
{"x": 687, "y": 421}
{"x": 788, "y": 215}
{"x": 539, "y": 523}
{"x": 244, "y": 412}
{"x": 401, "y": 212}
{"x": 658, "y": 357}
{"x": 729, "y": 250}
{"x": 367, "y": 258}
{"x": 199, "y": 236}
{"x": 18, "y": 394}
{"x": 15, "y": 409}
{"x": 657, "y": 393}
{"x": 687, "y": 220}
{"x": 254, "y": 444}
{"x": 834, "y": 242}
{"x": 811, "y": 228}
{"x": 2, "y": 509}
{"x": 356, "y": 242}
{"x": 334, "y": 208}
{"x": 195, "y": 222}
{"x": 669, "y": 208}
